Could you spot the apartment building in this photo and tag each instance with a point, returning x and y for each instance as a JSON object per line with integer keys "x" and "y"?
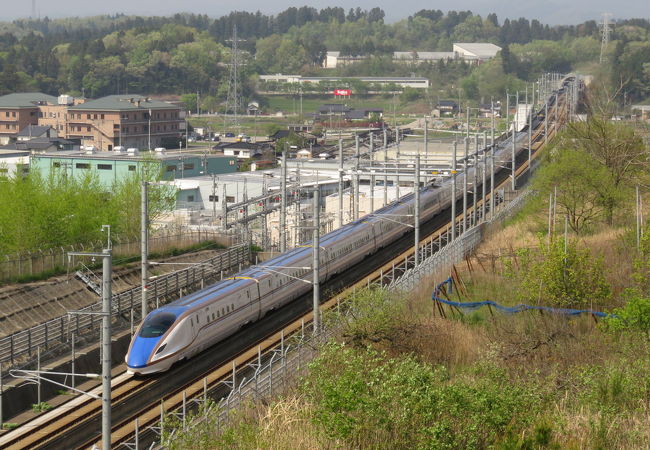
{"x": 19, "y": 110}
{"x": 105, "y": 123}
{"x": 126, "y": 121}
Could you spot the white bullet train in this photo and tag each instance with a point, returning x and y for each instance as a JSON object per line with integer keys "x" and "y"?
{"x": 195, "y": 322}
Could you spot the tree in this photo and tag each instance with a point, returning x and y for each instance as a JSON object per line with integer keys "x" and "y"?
{"x": 614, "y": 147}
{"x": 189, "y": 102}
{"x": 581, "y": 184}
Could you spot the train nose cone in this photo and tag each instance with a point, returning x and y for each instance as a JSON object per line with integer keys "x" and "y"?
{"x": 141, "y": 351}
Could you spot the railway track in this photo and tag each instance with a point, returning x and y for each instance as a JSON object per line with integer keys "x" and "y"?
{"x": 24, "y": 306}
{"x": 77, "y": 423}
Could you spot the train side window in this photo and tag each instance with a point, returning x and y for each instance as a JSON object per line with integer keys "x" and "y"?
{"x": 232, "y": 307}
{"x": 248, "y": 294}
{"x": 191, "y": 321}
{"x": 212, "y": 316}
{"x": 197, "y": 319}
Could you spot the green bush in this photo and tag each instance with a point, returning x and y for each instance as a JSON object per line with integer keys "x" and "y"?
{"x": 565, "y": 276}
{"x": 369, "y": 400}
{"x": 635, "y": 315}
{"x": 41, "y": 407}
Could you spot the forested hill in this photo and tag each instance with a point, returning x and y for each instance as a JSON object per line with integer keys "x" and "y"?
{"x": 186, "y": 52}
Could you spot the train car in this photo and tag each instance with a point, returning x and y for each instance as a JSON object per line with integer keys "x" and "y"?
{"x": 193, "y": 323}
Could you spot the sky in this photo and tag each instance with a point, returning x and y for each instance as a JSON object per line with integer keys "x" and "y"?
{"x": 552, "y": 12}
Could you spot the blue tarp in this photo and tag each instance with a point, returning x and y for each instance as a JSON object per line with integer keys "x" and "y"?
{"x": 508, "y": 309}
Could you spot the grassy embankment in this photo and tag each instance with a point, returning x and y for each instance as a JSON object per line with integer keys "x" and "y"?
{"x": 401, "y": 376}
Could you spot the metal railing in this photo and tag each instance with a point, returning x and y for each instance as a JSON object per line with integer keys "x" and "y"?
{"x": 60, "y": 328}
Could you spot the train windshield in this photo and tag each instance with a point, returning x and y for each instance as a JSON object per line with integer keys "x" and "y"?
{"x": 157, "y": 324}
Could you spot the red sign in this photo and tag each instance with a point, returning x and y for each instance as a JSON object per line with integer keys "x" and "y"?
{"x": 342, "y": 92}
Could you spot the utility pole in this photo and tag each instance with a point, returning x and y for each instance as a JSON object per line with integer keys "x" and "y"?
{"x": 507, "y": 112}
{"x": 546, "y": 122}
{"x": 247, "y": 235}
{"x": 356, "y": 178}
{"x": 397, "y": 169}
{"x": 453, "y": 191}
{"x": 416, "y": 221}
{"x": 514, "y": 138}
{"x": 484, "y": 175}
{"x": 355, "y": 195}
{"x": 144, "y": 247}
{"x": 283, "y": 204}
{"x": 149, "y": 130}
{"x": 372, "y": 191}
{"x": 555, "y": 108}
{"x": 385, "y": 168}
{"x": 214, "y": 198}
{"x": 340, "y": 216}
{"x": 492, "y": 167}
{"x": 224, "y": 208}
{"x": 107, "y": 272}
{"x": 107, "y": 277}
{"x": 465, "y": 184}
{"x": 475, "y": 185}
{"x": 426, "y": 141}
{"x": 530, "y": 133}
{"x": 316, "y": 261}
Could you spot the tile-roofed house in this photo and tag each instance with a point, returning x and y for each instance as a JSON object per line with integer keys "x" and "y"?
{"x": 280, "y": 134}
{"x": 36, "y": 131}
{"x": 43, "y": 144}
{"x": 334, "y": 108}
{"x": 363, "y": 113}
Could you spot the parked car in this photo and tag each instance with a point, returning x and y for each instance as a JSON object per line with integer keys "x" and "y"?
{"x": 230, "y": 135}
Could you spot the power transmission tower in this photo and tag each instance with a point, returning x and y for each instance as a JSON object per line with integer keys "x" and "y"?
{"x": 234, "y": 99}
{"x": 605, "y": 29}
